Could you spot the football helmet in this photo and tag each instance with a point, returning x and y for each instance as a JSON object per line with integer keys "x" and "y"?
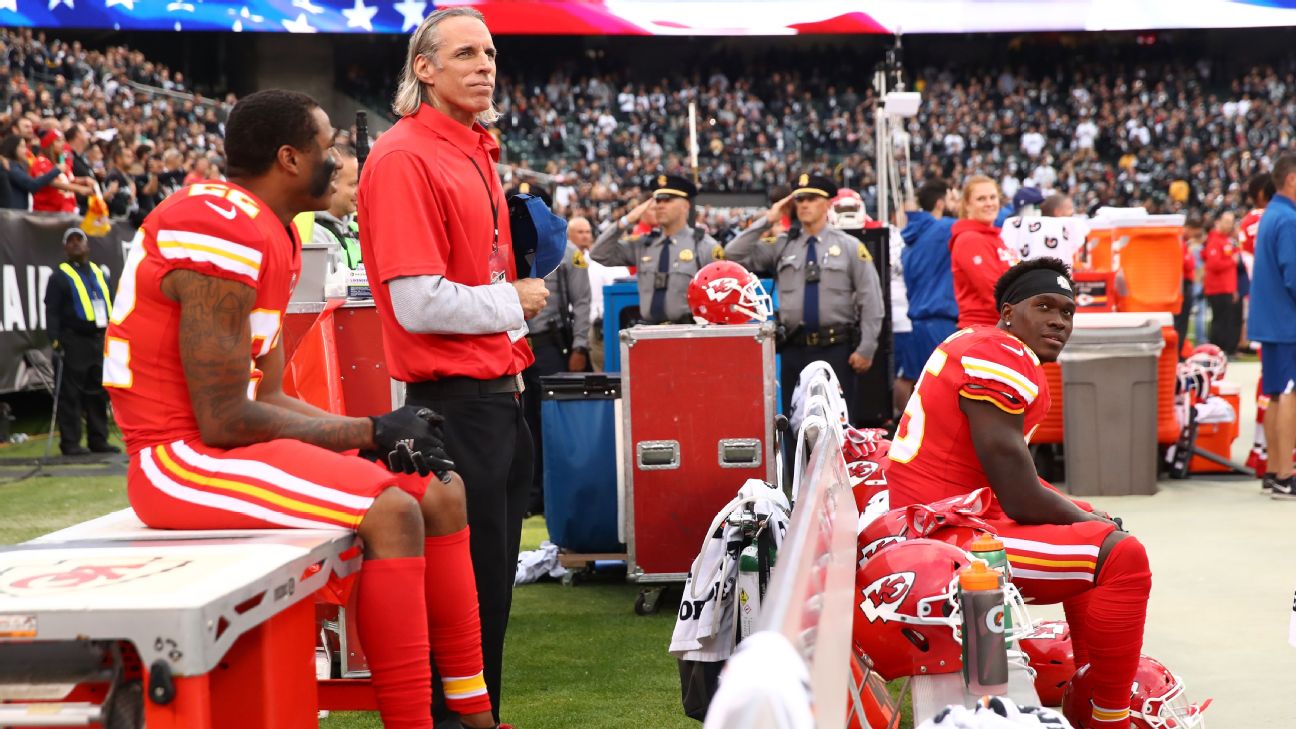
{"x": 846, "y": 211}
{"x": 907, "y": 616}
{"x": 894, "y": 526}
{"x": 724, "y": 292}
{"x": 1211, "y": 358}
{"x": 1050, "y": 654}
{"x": 1157, "y": 699}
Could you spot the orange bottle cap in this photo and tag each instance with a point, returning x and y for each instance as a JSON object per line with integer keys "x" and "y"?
{"x": 985, "y": 542}
{"x": 977, "y": 576}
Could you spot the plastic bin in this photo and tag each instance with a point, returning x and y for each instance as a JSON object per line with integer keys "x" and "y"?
{"x": 578, "y": 414}
{"x": 1109, "y": 380}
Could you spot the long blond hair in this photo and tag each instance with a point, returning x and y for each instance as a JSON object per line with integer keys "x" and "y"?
{"x": 426, "y": 41}
{"x": 966, "y": 195}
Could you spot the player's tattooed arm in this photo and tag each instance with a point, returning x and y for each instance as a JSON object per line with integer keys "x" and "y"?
{"x": 215, "y": 342}
{"x": 997, "y": 438}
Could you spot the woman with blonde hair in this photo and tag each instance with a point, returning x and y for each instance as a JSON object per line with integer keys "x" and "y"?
{"x": 978, "y": 255}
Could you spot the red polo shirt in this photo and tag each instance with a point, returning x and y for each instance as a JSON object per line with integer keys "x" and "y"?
{"x": 424, "y": 210}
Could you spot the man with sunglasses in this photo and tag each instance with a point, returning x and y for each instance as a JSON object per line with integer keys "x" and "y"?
{"x": 667, "y": 256}
{"x": 830, "y": 298}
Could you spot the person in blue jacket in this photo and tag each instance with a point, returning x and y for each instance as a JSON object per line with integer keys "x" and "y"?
{"x": 929, "y": 280}
{"x": 16, "y": 183}
{"x": 1273, "y": 324}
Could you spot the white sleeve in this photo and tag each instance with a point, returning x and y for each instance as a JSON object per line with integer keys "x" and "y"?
{"x": 434, "y": 305}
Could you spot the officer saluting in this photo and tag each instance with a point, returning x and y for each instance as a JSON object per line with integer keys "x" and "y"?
{"x": 666, "y": 257}
{"x": 830, "y": 299}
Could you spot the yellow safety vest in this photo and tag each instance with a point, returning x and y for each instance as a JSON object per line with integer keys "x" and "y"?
{"x": 83, "y": 296}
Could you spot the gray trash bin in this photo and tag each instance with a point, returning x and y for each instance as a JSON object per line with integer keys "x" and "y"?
{"x": 1109, "y": 385}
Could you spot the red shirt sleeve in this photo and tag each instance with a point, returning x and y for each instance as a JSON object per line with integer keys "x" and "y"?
{"x": 404, "y": 219}
{"x": 212, "y": 235}
{"x": 1002, "y": 371}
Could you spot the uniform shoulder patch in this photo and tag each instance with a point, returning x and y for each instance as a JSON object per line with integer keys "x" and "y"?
{"x": 717, "y": 253}
{"x": 578, "y": 259}
{"x": 864, "y": 255}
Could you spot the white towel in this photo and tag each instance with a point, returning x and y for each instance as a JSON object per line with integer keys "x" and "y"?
{"x": 996, "y": 713}
{"x": 768, "y": 679}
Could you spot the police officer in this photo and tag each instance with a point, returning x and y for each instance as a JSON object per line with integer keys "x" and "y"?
{"x": 337, "y": 226}
{"x": 667, "y": 256}
{"x": 559, "y": 337}
{"x": 830, "y": 299}
{"x": 78, "y": 302}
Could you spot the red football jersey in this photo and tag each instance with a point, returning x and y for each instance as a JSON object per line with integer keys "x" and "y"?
{"x": 216, "y": 229}
{"x": 1248, "y": 228}
{"x": 49, "y": 199}
{"x": 932, "y": 455}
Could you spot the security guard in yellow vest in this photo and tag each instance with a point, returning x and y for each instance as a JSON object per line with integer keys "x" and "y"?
{"x": 830, "y": 297}
{"x": 667, "y": 256}
{"x": 78, "y": 302}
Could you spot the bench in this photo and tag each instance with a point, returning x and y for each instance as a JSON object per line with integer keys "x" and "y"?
{"x": 216, "y": 628}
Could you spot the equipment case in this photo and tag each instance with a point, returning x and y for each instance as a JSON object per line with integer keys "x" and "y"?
{"x": 698, "y": 420}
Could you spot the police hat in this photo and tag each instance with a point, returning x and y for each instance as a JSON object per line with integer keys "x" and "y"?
{"x": 527, "y": 188}
{"x": 668, "y": 185}
{"x": 808, "y": 184}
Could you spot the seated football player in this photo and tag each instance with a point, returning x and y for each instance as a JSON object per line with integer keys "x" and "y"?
{"x": 194, "y": 365}
{"x": 980, "y": 396}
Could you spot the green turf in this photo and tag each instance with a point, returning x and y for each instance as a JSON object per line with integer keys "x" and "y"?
{"x": 41, "y": 505}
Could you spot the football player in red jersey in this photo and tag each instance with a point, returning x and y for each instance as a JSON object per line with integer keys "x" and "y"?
{"x": 194, "y": 365}
{"x": 967, "y": 426}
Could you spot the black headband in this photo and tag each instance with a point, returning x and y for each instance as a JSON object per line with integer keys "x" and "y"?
{"x": 1036, "y": 282}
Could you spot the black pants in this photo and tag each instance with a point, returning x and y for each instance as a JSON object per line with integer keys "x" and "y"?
{"x": 488, "y": 439}
{"x": 797, "y": 356}
{"x": 81, "y": 393}
{"x": 1185, "y": 314}
{"x": 549, "y": 359}
{"x": 1224, "y": 322}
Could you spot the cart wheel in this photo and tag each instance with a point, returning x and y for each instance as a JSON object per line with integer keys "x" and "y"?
{"x": 126, "y": 711}
{"x": 649, "y": 601}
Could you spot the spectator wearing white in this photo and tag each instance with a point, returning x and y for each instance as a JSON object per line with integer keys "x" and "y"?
{"x": 1085, "y": 133}
{"x": 1032, "y": 143}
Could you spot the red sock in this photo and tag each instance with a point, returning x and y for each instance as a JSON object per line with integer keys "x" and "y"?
{"x": 1117, "y": 612}
{"x": 393, "y": 631}
{"x": 454, "y": 624}
{"x": 1077, "y": 615}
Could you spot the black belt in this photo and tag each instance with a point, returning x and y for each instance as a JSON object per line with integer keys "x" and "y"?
{"x": 453, "y": 387}
{"x": 552, "y": 336}
{"x": 826, "y": 336}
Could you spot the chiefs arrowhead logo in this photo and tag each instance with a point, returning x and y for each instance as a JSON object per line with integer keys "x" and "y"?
{"x": 885, "y": 594}
{"x": 718, "y": 289}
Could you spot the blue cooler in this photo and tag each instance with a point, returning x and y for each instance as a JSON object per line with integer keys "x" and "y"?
{"x": 577, "y": 411}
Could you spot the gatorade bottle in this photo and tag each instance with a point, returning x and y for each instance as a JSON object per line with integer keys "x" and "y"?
{"x": 990, "y": 550}
{"x": 985, "y": 656}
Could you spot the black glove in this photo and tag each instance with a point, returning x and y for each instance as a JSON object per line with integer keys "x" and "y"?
{"x": 409, "y": 439}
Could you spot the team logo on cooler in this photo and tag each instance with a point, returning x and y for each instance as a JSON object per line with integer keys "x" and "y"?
{"x": 83, "y": 574}
{"x": 885, "y": 594}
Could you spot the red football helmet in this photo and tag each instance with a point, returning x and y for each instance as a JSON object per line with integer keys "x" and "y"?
{"x": 1212, "y": 359}
{"x": 908, "y": 616}
{"x": 893, "y": 526}
{"x": 1050, "y": 654}
{"x": 724, "y": 292}
{"x": 1157, "y": 699}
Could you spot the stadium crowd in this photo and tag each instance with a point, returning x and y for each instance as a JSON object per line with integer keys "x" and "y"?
{"x": 1173, "y": 137}
{"x": 109, "y": 119}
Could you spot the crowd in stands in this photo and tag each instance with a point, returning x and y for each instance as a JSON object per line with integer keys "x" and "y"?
{"x": 1173, "y": 137}
{"x": 78, "y": 122}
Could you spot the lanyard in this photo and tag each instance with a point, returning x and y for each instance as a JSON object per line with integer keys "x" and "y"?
{"x": 490, "y": 197}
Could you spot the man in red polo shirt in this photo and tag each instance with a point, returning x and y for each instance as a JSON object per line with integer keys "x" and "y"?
{"x": 435, "y": 239}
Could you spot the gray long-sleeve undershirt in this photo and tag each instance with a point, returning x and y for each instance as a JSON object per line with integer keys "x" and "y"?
{"x": 434, "y": 305}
